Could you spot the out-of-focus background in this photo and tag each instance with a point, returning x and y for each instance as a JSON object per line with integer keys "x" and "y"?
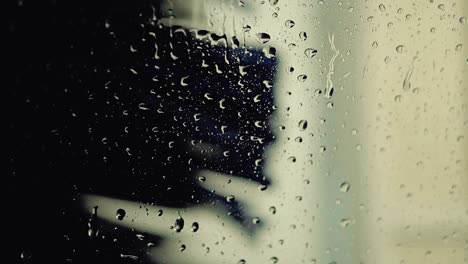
{"x": 367, "y": 160}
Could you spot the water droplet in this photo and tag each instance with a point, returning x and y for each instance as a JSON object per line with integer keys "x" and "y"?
{"x": 272, "y": 210}
{"x": 255, "y": 220}
{"x": 262, "y": 187}
{"x": 292, "y": 159}
{"x": 345, "y": 222}
{"x": 302, "y": 78}
{"x": 382, "y": 7}
{"x": 160, "y": 212}
{"x": 274, "y": 260}
{"x": 273, "y": 2}
{"x": 289, "y": 23}
{"x": 399, "y": 48}
{"x": 183, "y": 81}
{"x": 269, "y": 52}
{"x": 263, "y": 38}
{"x": 230, "y": 198}
{"x": 132, "y": 257}
{"x": 290, "y": 70}
{"x": 387, "y": 60}
{"x": 458, "y": 47}
{"x": 462, "y": 20}
{"x": 302, "y": 125}
{"x": 142, "y": 106}
{"x": 375, "y": 44}
{"x": 120, "y": 214}
{"x": 178, "y": 224}
{"x": 195, "y": 227}
{"x": 345, "y": 186}
{"x": 298, "y": 139}
{"x": 398, "y": 98}
{"x": 26, "y": 254}
{"x": 310, "y": 53}
{"x": 182, "y": 247}
{"x": 303, "y": 35}
{"x": 441, "y": 7}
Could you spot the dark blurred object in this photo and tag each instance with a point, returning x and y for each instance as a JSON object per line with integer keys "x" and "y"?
{"x": 92, "y": 108}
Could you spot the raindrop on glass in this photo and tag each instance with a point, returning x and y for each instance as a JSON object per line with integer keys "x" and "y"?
{"x": 289, "y": 23}
{"x": 302, "y": 125}
{"x": 255, "y": 220}
{"x": 26, "y": 254}
{"x": 344, "y": 187}
{"x": 310, "y": 53}
{"x": 382, "y": 7}
{"x": 263, "y": 37}
{"x": 230, "y": 198}
{"x": 302, "y": 78}
{"x": 462, "y": 20}
{"x": 272, "y": 210}
{"x": 399, "y": 48}
{"x": 303, "y": 35}
{"x": 120, "y": 214}
{"x": 178, "y": 224}
{"x": 195, "y": 227}
{"x": 182, "y": 247}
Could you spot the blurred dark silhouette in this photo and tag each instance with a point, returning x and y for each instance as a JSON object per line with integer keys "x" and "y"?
{"x": 92, "y": 109}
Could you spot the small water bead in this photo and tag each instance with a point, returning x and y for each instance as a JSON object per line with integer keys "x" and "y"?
{"x": 273, "y": 2}
{"x": 441, "y": 7}
{"x": 292, "y": 159}
{"x": 302, "y": 78}
{"x": 120, "y": 214}
{"x": 195, "y": 227}
{"x": 462, "y": 20}
{"x": 289, "y": 23}
{"x": 230, "y": 198}
{"x": 202, "y": 178}
{"x": 263, "y": 37}
{"x": 345, "y": 186}
{"x": 399, "y": 48}
{"x": 303, "y": 35}
{"x": 178, "y": 224}
{"x": 272, "y": 210}
{"x": 398, "y": 98}
{"x": 255, "y": 220}
{"x": 160, "y": 212}
{"x": 302, "y": 125}
{"x": 345, "y": 222}
{"x": 310, "y": 53}
{"x": 26, "y": 254}
{"x": 182, "y": 247}
{"x": 298, "y": 139}
{"x": 382, "y": 7}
